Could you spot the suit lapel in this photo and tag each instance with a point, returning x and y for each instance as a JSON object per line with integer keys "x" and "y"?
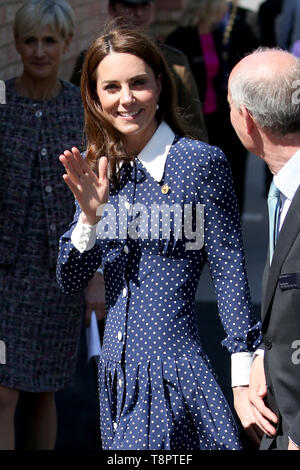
{"x": 286, "y": 238}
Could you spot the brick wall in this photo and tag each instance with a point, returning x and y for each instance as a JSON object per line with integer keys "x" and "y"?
{"x": 90, "y": 16}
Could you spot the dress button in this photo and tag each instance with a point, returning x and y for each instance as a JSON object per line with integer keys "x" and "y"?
{"x": 52, "y": 227}
{"x": 48, "y": 188}
{"x": 39, "y": 114}
{"x": 126, "y": 249}
{"x": 44, "y": 152}
{"x": 165, "y": 189}
{"x": 124, "y": 292}
{"x": 120, "y": 336}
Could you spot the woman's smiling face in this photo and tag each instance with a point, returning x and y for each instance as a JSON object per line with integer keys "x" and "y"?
{"x": 128, "y": 92}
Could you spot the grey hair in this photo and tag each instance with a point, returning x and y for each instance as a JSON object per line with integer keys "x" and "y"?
{"x": 197, "y": 10}
{"x": 271, "y": 98}
{"x": 33, "y": 14}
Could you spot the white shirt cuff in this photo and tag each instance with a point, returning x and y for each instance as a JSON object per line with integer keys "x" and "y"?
{"x": 240, "y": 368}
{"x": 84, "y": 236}
{"x": 259, "y": 352}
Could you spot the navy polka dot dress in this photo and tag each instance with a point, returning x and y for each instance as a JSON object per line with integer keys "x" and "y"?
{"x": 156, "y": 386}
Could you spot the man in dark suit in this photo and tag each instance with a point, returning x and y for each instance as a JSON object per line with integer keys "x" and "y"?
{"x": 265, "y": 113}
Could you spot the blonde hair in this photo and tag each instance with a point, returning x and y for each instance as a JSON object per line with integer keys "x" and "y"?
{"x": 196, "y": 11}
{"x": 33, "y": 14}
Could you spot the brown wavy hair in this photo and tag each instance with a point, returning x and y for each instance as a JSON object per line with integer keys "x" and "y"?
{"x": 101, "y": 137}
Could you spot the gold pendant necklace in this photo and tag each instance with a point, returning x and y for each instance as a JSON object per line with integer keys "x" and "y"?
{"x": 229, "y": 26}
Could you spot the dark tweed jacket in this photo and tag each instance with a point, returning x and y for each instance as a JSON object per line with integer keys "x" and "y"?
{"x": 31, "y": 130}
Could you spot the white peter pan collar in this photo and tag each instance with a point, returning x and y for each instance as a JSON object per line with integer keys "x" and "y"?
{"x": 154, "y": 155}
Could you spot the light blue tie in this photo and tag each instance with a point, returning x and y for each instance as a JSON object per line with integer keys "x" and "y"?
{"x": 274, "y": 209}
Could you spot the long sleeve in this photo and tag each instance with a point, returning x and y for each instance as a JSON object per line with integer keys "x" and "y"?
{"x": 74, "y": 266}
{"x": 225, "y": 255}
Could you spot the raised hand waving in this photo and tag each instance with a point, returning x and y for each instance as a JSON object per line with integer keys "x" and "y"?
{"x": 90, "y": 191}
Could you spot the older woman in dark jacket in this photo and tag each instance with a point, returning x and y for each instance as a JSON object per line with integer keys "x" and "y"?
{"x": 39, "y": 325}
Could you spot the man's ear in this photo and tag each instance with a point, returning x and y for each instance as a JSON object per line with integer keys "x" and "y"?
{"x": 248, "y": 119}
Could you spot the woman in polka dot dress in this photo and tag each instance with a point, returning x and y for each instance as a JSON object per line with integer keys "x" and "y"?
{"x": 167, "y": 207}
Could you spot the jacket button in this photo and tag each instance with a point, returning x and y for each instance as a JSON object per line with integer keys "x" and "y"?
{"x": 268, "y": 344}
